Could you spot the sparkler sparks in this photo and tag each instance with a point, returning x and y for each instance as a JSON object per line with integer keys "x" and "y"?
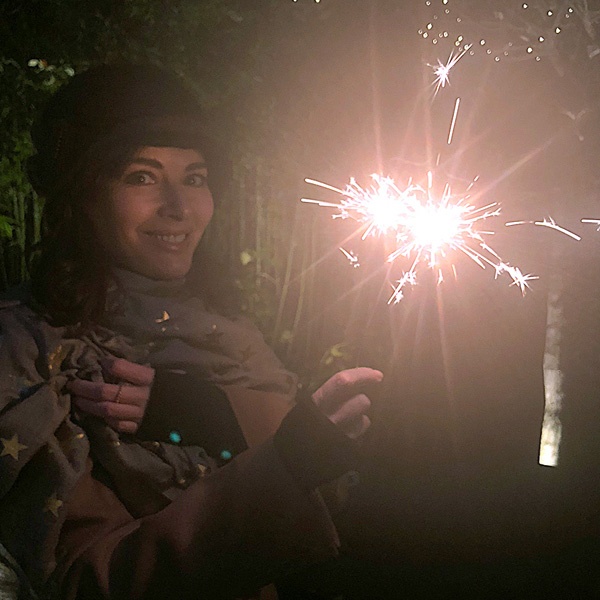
{"x": 426, "y": 230}
{"x": 442, "y": 71}
{"x": 593, "y": 221}
{"x": 548, "y": 222}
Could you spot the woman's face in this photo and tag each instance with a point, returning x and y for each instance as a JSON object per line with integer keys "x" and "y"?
{"x": 155, "y": 212}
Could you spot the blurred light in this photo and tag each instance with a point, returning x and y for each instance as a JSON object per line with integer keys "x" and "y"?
{"x": 553, "y": 383}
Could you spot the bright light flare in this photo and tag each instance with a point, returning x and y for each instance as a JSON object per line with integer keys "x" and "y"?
{"x": 442, "y": 71}
{"x": 382, "y": 206}
{"x": 426, "y": 229}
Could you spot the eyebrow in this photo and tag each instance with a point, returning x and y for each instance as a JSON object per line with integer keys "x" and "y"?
{"x": 151, "y": 162}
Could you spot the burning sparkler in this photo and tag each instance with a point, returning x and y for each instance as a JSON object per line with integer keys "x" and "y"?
{"x": 426, "y": 230}
{"x": 442, "y": 71}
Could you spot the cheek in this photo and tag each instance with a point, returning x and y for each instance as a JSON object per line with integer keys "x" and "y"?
{"x": 210, "y": 210}
{"x": 115, "y": 220}
{"x": 205, "y": 209}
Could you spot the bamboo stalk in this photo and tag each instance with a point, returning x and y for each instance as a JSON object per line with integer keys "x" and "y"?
{"x": 287, "y": 277}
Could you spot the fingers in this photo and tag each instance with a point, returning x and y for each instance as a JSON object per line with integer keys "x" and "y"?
{"x": 125, "y": 418}
{"x": 343, "y": 401}
{"x": 351, "y": 417}
{"x": 99, "y": 399}
{"x": 128, "y": 371}
{"x": 351, "y": 410}
{"x": 344, "y": 385}
{"x": 122, "y": 405}
{"x": 107, "y": 392}
{"x": 357, "y": 427}
{"x": 110, "y": 410}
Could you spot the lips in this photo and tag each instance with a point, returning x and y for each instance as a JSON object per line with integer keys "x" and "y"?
{"x": 169, "y": 240}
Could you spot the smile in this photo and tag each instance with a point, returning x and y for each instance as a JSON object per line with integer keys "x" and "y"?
{"x": 170, "y": 238}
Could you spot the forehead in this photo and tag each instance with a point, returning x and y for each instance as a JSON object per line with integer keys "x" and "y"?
{"x": 168, "y": 156}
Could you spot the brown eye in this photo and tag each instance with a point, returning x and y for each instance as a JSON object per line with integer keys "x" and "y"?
{"x": 140, "y": 178}
{"x": 196, "y": 180}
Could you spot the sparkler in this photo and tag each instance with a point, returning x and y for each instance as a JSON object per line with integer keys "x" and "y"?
{"x": 426, "y": 230}
{"x": 442, "y": 71}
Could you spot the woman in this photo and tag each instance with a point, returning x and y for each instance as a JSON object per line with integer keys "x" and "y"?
{"x": 145, "y": 451}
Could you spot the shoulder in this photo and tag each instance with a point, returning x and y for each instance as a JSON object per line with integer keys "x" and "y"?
{"x": 23, "y": 331}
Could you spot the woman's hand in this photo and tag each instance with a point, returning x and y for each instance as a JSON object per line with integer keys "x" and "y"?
{"x": 343, "y": 401}
{"x": 121, "y": 405}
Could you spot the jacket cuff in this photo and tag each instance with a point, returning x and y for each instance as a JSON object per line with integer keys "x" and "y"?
{"x": 314, "y": 449}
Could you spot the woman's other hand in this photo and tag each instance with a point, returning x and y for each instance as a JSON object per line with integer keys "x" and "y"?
{"x": 343, "y": 400}
{"x": 121, "y": 405}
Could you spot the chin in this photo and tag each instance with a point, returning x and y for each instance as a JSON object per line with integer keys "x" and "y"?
{"x": 166, "y": 272}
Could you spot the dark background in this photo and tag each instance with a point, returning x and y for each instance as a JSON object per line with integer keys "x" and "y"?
{"x": 452, "y": 501}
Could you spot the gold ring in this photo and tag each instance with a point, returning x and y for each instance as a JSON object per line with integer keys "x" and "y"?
{"x": 117, "y": 398}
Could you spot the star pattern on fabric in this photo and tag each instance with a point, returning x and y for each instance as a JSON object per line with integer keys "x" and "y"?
{"x": 52, "y": 505}
{"x": 165, "y": 317}
{"x": 56, "y": 358}
{"x": 12, "y": 447}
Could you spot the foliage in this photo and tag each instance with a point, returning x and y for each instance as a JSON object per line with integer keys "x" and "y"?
{"x": 291, "y": 90}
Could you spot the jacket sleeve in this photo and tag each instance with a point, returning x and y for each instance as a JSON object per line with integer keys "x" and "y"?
{"x": 225, "y": 536}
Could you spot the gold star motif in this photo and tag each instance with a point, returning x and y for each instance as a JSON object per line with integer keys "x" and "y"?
{"x": 12, "y": 447}
{"x": 52, "y": 505}
{"x": 165, "y": 317}
{"x": 56, "y": 358}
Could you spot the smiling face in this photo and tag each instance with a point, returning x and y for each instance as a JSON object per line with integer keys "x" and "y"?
{"x": 155, "y": 212}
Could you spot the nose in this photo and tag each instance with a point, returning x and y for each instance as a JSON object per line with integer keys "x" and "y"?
{"x": 173, "y": 204}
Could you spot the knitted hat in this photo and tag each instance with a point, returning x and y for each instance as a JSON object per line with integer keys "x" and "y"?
{"x": 109, "y": 105}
